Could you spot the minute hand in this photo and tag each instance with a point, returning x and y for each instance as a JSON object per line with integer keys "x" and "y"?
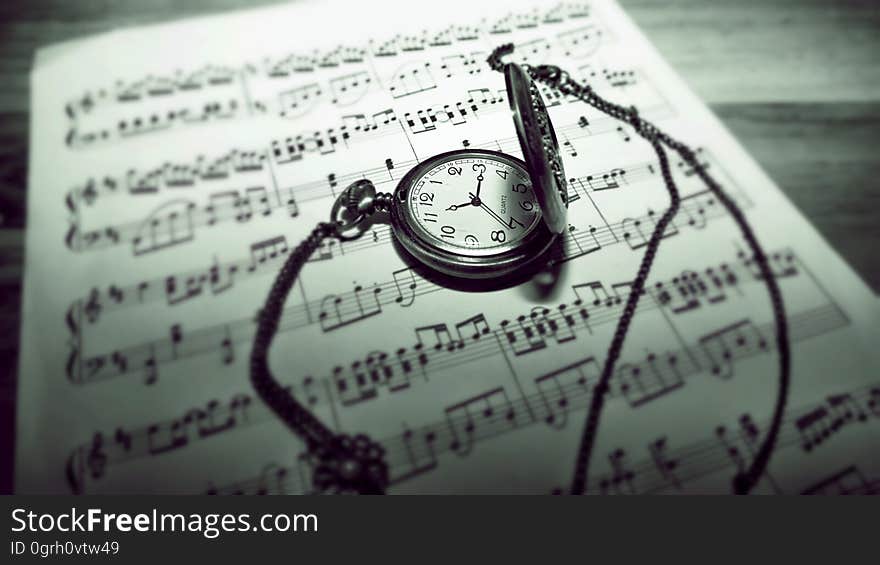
{"x": 509, "y": 225}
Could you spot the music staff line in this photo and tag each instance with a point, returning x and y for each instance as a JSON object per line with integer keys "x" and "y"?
{"x": 440, "y": 347}
{"x": 583, "y": 40}
{"x": 284, "y": 152}
{"x": 415, "y": 77}
{"x": 342, "y": 91}
{"x": 243, "y": 166}
{"x": 551, "y": 404}
{"x": 408, "y": 79}
{"x": 355, "y": 128}
{"x": 673, "y": 468}
{"x": 179, "y": 288}
{"x": 558, "y": 393}
{"x": 713, "y": 346}
{"x": 175, "y": 222}
{"x": 222, "y": 337}
{"x": 416, "y": 451}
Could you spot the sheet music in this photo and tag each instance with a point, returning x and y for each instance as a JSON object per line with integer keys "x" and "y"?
{"x": 174, "y": 167}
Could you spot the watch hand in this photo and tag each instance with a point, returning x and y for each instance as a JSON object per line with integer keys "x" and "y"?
{"x": 479, "y": 182}
{"x": 491, "y": 212}
{"x": 455, "y": 207}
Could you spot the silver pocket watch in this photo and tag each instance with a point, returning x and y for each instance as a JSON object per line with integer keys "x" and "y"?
{"x": 476, "y": 213}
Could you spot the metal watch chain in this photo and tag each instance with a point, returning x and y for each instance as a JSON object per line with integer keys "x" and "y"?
{"x": 343, "y": 463}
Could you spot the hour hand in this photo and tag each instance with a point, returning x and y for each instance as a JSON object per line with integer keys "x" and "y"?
{"x": 455, "y": 207}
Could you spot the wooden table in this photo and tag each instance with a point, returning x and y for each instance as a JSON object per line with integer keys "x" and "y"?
{"x": 795, "y": 80}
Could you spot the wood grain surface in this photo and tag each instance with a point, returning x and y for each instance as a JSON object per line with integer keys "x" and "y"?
{"x": 796, "y": 81}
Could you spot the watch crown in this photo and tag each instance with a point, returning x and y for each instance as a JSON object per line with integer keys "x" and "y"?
{"x": 358, "y": 197}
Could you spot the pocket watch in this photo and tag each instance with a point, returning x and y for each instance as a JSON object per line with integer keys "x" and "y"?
{"x": 472, "y": 214}
{"x": 476, "y": 213}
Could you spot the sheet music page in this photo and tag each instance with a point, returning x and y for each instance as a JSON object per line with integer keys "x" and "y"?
{"x": 174, "y": 167}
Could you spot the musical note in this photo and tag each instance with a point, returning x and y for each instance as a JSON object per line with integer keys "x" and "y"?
{"x": 147, "y": 183}
{"x": 471, "y": 329}
{"x": 299, "y": 101}
{"x": 421, "y": 457}
{"x": 621, "y": 478}
{"x": 352, "y": 384}
{"x": 350, "y": 88}
{"x": 287, "y": 151}
{"x": 170, "y": 224}
{"x": 176, "y": 336}
{"x": 822, "y": 422}
{"x": 227, "y": 349}
{"x": 459, "y": 64}
{"x": 620, "y": 78}
{"x": 267, "y": 250}
{"x": 434, "y": 337}
{"x": 123, "y": 439}
{"x": 637, "y": 231}
{"x": 177, "y": 293}
{"x": 719, "y": 346}
{"x": 560, "y": 389}
{"x": 781, "y": 265}
{"x": 411, "y": 78}
{"x": 534, "y": 51}
{"x": 464, "y": 417}
{"x": 153, "y": 122}
{"x": 581, "y": 42}
{"x": 405, "y": 284}
{"x": 525, "y": 337}
{"x": 163, "y": 439}
{"x": 666, "y": 465}
{"x": 690, "y": 290}
{"x": 607, "y": 181}
{"x": 581, "y": 242}
{"x": 568, "y": 147}
{"x": 150, "y": 365}
{"x": 341, "y": 310}
{"x": 650, "y": 379}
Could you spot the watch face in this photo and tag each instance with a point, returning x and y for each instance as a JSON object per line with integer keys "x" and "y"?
{"x": 474, "y": 203}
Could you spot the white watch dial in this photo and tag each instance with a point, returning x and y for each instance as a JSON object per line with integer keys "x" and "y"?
{"x": 479, "y": 204}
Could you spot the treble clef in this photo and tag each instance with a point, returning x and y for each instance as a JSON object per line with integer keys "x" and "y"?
{"x": 93, "y": 306}
{"x": 73, "y": 239}
{"x": 96, "y": 461}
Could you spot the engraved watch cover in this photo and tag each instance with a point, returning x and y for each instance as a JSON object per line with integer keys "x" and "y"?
{"x": 539, "y": 146}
